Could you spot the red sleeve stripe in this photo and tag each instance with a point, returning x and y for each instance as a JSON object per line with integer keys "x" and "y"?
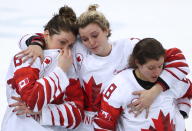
{"x": 48, "y": 90}
{"x": 55, "y": 87}
{"x": 77, "y": 114}
{"x": 58, "y": 82}
{"x": 69, "y": 116}
{"x": 189, "y": 91}
{"x": 173, "y": 51}
{"x": 183, "y": 71}
{"x": 38, "y": 38}
{"x": 61, "y": 117}
{"x": 172, "y": 73}
{"x": 52, "y": 116}
{"x": 185, "y": 104}
{"x": 175, "y": 57}
{"x": 177, "y": 64}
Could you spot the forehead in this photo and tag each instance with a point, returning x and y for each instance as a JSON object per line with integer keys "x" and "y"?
{"x": 64, "y": 35}
{"x": 153, "y": 62}
{"x": 90, "y": 28}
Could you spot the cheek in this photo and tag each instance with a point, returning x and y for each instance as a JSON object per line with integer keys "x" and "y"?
{"x": 85, "y": 44}
{"x": 147, "y": 73}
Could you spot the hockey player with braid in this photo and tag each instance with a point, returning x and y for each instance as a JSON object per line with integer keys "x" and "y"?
{"x": 51, "y": 85}
{"x": 146, "y": 64}
{"x": 98, "y": 60}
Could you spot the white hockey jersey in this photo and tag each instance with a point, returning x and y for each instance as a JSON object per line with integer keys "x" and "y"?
{"x": 95, "y": 72}
{"x": 114, "y": 113}
{"x": 43, "y": 86}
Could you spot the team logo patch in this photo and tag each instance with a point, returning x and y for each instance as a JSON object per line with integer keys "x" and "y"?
{"x": 47, "y": 60}
{"x": 23, "y": 83}
{"x": 79, "y": 59}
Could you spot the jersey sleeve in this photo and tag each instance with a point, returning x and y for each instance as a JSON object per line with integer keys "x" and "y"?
{"x": 32, "y": 39}
{"x": 35, "y": 91}
{"x": 184, "y": 106}
{"x": 68, "y": 113}
{"x": 110, "y": 110}
{"x": 175, "y": 69}
{"x": 184, "y": 103}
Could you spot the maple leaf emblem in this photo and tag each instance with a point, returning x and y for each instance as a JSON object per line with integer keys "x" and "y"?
{"x": 47, "y": 60}
{"x": 79, "y": 57}
{"x": 163, "y": 123}
{"x": 93, "y": 95}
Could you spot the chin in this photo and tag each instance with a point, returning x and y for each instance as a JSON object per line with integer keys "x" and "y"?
{"x": 153, "y": 80}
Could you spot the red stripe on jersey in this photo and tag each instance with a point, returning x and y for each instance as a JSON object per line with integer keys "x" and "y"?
{"x": 100, "y": 130}
{"x": 77, "y": 114}
{"x": 176, "y": 64}
{"x": 175, "y": 57}
{"x": 55, "y": 87}
{"x": 69, "y": 116}
{"x": 184, "y": 103}
{"x": 172, "y": 73}
{"x": 58, "y": 82}
{"x": 174, "y": 54}
{"x": 61, "y": 117}
{"x": 182, "y": 71}
{"x": 52, "y": 116}
{"x": 189, "y": 91}
{"x": 48, "y": 90}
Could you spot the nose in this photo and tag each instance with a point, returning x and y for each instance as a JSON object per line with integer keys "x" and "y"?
{"x": 91, "y": 42}
{"x": 157, "y": 72}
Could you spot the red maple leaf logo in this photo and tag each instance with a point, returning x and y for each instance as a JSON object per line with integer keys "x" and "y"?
{"x": 78, "y": 58}
{"x": 47, "y": 60}
{"x": 163, "y": 123}
{"x": 93, "y": 95}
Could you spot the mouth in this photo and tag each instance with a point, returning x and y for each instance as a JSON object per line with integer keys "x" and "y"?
{"x": 155, "y": 77}
{"x": 93, "y": 48}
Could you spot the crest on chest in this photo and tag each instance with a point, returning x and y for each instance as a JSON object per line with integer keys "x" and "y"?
{"x": 79, "y": 58}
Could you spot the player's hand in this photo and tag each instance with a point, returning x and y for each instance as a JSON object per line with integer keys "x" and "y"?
{"x": 21, "y": 108}
{"x": 146, "y": 98}
{"x": 65, "y": 59}
{"x": 33, "y": 51}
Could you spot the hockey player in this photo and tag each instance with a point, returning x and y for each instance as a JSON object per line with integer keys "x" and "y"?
{"x": 147, "y": 61}
{"x": 97, "y": 60}
{"x": 51, "y": 85}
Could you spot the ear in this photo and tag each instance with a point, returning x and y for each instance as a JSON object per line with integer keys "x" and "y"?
{"x": 137, "y": 63}
{"x": 106, "y": 31}
{"x": 46, "y": 33}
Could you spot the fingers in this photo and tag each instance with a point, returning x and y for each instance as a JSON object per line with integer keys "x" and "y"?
{"x": 21, "y": 113}
{"x": 137, "y": 93}
{"x": 16, "y": 98}
{"x": 66, "y": 52}
{"x": 147, "y": 113}
{"x": 33, "y": 60}
{"x": 16, "y": 104}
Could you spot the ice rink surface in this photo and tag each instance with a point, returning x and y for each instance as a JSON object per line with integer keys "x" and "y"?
{"x": 169, "y": 21}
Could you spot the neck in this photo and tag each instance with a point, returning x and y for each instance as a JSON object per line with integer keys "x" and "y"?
{"x": 107, "y": 50}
